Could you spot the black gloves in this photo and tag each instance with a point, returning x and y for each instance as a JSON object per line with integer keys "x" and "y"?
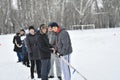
{"x": 60, "y": 55}
{"x": 56, "y": 52}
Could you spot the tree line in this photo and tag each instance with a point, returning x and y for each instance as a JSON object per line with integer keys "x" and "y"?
{"x": 17, "y": 14}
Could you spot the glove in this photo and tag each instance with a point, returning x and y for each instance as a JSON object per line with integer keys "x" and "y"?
{"x": 56, "y": 52}
{"x": 52, "y": 50}
{"x": 60, "y": 55}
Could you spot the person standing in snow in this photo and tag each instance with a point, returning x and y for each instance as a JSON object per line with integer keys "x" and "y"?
{"x": 24, "y": 50}
{"x": 63, "y": 47}
{"x": 54, "y": 58}
{"x": 25, "y": 54}
{"x": 18, "y": 46}
{"x": 33, "y": 52}
{"x": 22, "y": 36}
{"x": 45, "y": 51}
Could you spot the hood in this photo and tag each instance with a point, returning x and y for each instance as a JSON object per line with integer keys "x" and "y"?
{"x": 60, "y": 29}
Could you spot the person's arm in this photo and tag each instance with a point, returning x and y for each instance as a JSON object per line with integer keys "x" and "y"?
{"x": 19, "y": 46}
{"x": 28, "y": 45}
{"x": 14, "y": 40}
{"x": 42, "y": 47}
{"x": 64, "y": 42}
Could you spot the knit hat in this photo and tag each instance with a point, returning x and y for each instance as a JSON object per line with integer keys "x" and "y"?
{"x": 54, "y": 24}
{"x": 42, "y": 26}
{"x": 31, "y": 27}
{"x": 22, "y": 30}
{"x": 49, "y": 25}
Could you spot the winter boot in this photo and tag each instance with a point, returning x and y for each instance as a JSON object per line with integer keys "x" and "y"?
{"x": 59, "y": 77}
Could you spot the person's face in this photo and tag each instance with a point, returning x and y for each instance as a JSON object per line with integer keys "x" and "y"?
{"x": 44, "y": 30}
{"x": 49, "y": 29}
{"x": 22, "y": 32}
{"x": 32, "y": 31}
{"x": 54, "y": 29}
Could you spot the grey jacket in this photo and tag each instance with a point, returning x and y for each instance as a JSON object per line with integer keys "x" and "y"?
{"x": 63, "y": 42}
{"x": 32, "y": 47}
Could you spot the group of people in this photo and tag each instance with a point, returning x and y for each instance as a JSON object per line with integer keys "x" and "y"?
{"x": 44, "y": 47}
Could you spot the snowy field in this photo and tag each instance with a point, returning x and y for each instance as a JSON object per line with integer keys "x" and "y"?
{"x": 96, "y": 55}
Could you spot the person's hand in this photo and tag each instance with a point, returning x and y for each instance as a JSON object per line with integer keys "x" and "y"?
{"x": 60, "y": 55}
{"x": 53, "y": 50}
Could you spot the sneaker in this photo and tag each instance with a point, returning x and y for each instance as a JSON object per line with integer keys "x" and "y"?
{"x": 24, "y": 63}
{"x": 39, "y": 76}
{"x": 59, "y": 77}
{"x": 28, "y": 65}
{"x": 32, "y": 77}
{"x": 51, "y": 77}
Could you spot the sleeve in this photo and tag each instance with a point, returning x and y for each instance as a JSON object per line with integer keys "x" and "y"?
{"x": 42, "y": 47}
{"x": 28, "y": 45}
{"x": 14, "y": 40}
{"x": 18, "y": 45}
{"x": 17, "y": 41}
{"x": 64, "y": 43}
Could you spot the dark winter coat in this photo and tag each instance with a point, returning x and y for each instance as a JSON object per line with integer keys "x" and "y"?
{"x": 17, "y": 41}
{"x": 44, "y": 46}
{"x": 63, "y": 42}
{"x": 32, "y": 47}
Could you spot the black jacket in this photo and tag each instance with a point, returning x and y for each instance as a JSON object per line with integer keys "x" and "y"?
{"x": 44, "y": 46}
{"x": 32, "y": 47}
{"x": 17, "y": 41}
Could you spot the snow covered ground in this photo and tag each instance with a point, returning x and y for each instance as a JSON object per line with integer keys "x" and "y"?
{"x": 96, "y": 55}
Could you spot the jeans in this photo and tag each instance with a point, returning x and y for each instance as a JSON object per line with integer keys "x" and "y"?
{"x": 25, "y": 60}
{"x": 45, "y": 68}
{"x": 20, "y": 57}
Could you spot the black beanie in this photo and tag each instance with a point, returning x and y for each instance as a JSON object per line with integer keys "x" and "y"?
{"x": 49, "y": 25}
{"x": 53, "y": 24}
{"x": 31, "y": 27}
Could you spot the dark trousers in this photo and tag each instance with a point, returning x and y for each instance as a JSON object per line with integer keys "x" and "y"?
{"x": 19, "y": 55}
{"x": 45, "y": 68}
{"x": 25, "y": 60}
{"x": 38, "y": 66}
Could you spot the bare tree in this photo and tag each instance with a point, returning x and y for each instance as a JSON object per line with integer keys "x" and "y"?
{"x": 22, "y": 13}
